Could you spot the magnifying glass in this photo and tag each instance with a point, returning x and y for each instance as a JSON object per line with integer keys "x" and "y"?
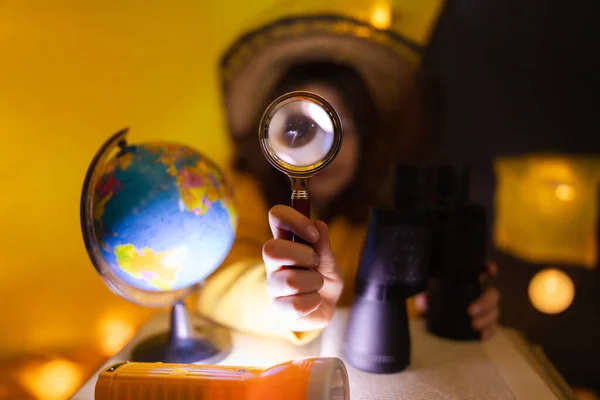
{"x": 300, "y": 133}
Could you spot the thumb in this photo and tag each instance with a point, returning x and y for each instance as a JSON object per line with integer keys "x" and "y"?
{"x": 421, "y": 302}
{"x": 327, "y": 263}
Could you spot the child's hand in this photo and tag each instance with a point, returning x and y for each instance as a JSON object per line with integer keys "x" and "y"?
{"x": 484, "y": 311}
{"x": 304, "y": 298}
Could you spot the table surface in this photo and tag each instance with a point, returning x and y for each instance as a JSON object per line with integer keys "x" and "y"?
{"x": 504, "y": 367}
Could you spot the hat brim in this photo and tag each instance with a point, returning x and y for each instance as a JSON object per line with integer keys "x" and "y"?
{"x": 256, "y": 62}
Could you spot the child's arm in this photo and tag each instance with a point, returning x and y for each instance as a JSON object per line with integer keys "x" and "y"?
{"x": 236, "y": 294}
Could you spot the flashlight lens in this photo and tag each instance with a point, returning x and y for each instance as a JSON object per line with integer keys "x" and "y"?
{"x": 301, "y": 133}
{"x": 338, "y": 390}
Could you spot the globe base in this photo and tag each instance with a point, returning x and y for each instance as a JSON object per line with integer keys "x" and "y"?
{"x": 185, "y": 343}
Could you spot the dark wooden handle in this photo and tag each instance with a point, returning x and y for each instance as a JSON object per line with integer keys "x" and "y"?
{"x": 302, "y": 206}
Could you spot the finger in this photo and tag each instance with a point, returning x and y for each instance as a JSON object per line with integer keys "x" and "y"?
{"x": 485, "y": 303}
{"x": 298, "y": 306}
{"x": 421, "y": 302}
{"x": 284, "y": 219}
{"x": 486, "y": 320}
{"x": 278, "y": 252}
{"x": 317, "y": 319}
{"x": 327, "y": 263}
{"x": 288, "y": 282}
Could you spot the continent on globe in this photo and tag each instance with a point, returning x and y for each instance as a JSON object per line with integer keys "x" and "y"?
{"x": 200, "y": 185}
{"x": 158, "y": 269}
{"x": 199, "y": 188}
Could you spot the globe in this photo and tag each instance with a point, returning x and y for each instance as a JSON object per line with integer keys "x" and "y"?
{"x": 160, "y": 219}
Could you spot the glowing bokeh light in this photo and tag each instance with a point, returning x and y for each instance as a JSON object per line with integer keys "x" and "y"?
{"x": 114, "y": 334}
{"x": 52, "y": 380}
{"x": 546, "y": 208}
{"x": 565, "y": 192}
{"x": 381, "y": 17}
{"x": 551, "y": 291}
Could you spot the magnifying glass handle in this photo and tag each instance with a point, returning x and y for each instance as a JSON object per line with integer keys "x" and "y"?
{"x": 302, "y": 206}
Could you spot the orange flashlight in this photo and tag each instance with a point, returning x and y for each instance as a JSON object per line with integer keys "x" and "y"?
{"x": 303, "y": 379}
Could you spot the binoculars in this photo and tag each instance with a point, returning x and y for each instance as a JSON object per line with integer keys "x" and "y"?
{"x": 432, "y": 239}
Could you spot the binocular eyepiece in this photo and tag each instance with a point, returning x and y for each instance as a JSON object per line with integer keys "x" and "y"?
{"x": 431, "y": 240}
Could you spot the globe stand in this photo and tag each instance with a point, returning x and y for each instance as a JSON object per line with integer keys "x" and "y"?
{"x": 185, "y": 343}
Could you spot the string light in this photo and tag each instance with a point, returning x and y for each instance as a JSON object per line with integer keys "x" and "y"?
{"x": 565, "y": 192}
{"x": 551, "y": 291}
{"x": 53, "y": 380}
{"x": 381, "y": 17}
{"x": 115, "y": 333}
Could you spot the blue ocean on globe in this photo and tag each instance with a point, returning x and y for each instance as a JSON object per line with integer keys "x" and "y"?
{"x": 164, "y": 216}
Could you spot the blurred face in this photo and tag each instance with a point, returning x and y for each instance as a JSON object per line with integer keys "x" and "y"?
{"x": 339, "y": 173}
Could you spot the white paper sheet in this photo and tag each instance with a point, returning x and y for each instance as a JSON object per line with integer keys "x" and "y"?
{"x": 444, "y": 370}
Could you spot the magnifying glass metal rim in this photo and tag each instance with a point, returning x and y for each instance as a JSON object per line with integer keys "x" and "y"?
{"x": 263, "y": 134}
{"x": 131, "y": 293}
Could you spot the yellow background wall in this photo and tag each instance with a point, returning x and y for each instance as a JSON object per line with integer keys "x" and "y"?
{"x": 71, "y": 74}
{"x": 74, "y": 72}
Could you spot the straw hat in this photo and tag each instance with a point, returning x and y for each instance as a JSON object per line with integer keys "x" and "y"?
{"x": 386, "y": 58}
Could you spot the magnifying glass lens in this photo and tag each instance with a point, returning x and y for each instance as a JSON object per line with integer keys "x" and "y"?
{"x": 301, "y": 133}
